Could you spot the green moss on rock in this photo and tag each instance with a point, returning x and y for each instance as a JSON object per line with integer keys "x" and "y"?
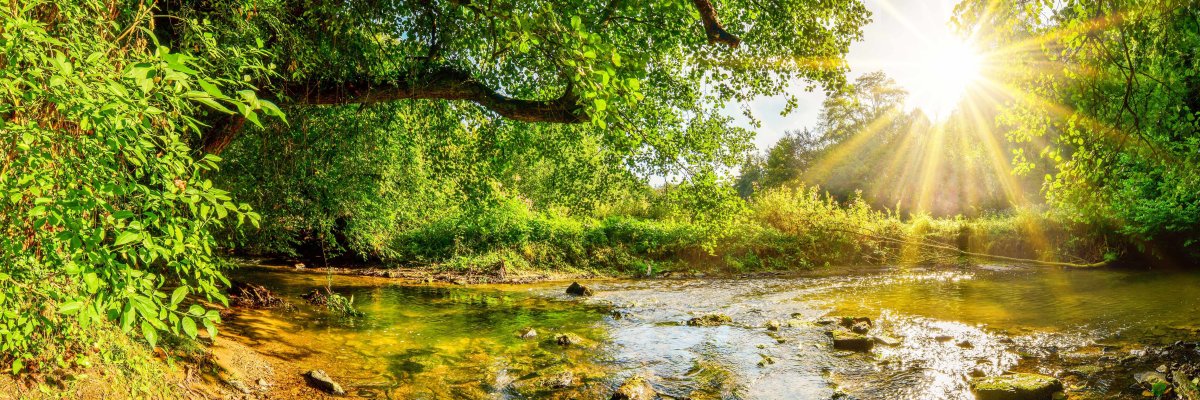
{"x": 1016, "y": 387}
{"x": 846, "y": 340}
{"x": 710, "y": 320}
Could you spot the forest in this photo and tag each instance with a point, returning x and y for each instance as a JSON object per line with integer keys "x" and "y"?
{"x": 174, "y": 174}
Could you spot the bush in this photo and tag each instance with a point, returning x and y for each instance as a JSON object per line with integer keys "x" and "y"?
{"x": 107, "y": 215}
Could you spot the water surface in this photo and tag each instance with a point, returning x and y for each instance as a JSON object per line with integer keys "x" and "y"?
{"x": 437, "y": 341}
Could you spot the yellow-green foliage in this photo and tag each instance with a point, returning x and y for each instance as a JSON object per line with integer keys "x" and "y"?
{"x": 105, "y": 212}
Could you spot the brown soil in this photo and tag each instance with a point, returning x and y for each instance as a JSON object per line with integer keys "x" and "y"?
{"x": 265, "y": 376}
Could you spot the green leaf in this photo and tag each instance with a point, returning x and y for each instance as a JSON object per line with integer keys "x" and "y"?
{"x": 189, "y": 326}
{"x": 210, "y": 88}
{"x": 178, "y": 295}
{"x": 210, "y": 327}
{"x": 127, "y": 237}
{"x": 127, "y": 316}
{"x": 70, "y": 308}
{"x": 150, "y": 334}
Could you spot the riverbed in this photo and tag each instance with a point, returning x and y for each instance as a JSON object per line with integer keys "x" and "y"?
{"x": 1091, "y": 328}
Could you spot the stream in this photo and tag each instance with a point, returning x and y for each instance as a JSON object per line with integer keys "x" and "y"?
{"x": 1091, "y": 328}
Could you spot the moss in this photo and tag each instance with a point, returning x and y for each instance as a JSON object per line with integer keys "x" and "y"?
{"x": 710, "y": 320}
{"x": 1018, "y": 386}
{"x": 846, "y": 340}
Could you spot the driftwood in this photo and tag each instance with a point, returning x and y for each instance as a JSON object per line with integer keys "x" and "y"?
{"x": 249, "y": 295}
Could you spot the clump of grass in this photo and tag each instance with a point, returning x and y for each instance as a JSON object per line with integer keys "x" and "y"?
{"x": 342, "y": 305}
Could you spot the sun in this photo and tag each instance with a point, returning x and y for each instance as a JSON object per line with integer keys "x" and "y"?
{"x": 947, "y": 70}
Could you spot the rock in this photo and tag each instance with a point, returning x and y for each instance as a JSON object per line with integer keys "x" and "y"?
{"x": 1018, "y": 386}
{"x": 579, "y": 290}
{"x": 262, "y": 382}
{"x": 965, "y": 344}
{"x": 849, "y": 322}
{"x": 241, "y": 387}
{"x": 1149, "y": 378}
{"x": 1162, "y": 368}
{"x": 567, "y": 339}
{"x": 298, "y": 265}
{"x": 316, "y": 297}
{"x": 765, "y": 361}
{"x": 846, "y": 340}
{"x": 772, "y": 325}
{"x": 527, "y": 333}
{"x": 710, "y": 320}
{"x": 943, "y": 338}
{"x": 318, "y": 379}
{"x": 886, "y": 340}
{"x": 794, "y": 323}
{"x": 824, "y": 320}
{"x": 860, "y": 327}
{"x": 560, "y": 380}
{"x": 1085, "y": 371}
{"x": 635, "y": 388}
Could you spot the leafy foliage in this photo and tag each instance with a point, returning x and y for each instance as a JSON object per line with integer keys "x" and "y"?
{"x": 1107, "y": 94}
{"x": 106, "y": 212}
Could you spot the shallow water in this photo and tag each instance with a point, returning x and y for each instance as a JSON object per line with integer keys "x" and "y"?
{"x": 439, "y": 341}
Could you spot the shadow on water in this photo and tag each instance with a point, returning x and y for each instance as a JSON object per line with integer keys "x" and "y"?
{"x": 947, "y": 324}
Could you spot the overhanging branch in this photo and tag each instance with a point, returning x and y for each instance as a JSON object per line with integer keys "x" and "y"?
{"x": 441, "y": 83}
{"x": 445, "y": 84}
{"x": 712, "y": 26}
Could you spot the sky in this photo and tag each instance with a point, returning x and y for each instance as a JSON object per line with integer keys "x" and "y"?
{"x": 901, "y": 33}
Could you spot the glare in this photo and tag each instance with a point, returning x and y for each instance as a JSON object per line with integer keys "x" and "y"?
{"x": 947, "y": 70}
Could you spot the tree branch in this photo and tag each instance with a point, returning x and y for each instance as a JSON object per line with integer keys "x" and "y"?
{"x": 712, "y": 26}
{"x": 442, "y": 83}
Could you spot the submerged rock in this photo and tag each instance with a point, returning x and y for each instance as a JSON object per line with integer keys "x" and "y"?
{"x": 846, "y": 340}
{"x": 966, "y": 344}
{"x": 710, "y": 320}
{"x": 316, "y": 297}
{"x": 1018, "y": 386}
{"x": 567, "y": 339}
{"x": 772, "y": 325}
{"x": 635, "y": 388}
{"x": 886, "y": 340}
{"x": 579, "y": 290}
{"x": 318, "y": 379}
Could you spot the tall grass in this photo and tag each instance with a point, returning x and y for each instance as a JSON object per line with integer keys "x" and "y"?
{"x": 779, "y": 230}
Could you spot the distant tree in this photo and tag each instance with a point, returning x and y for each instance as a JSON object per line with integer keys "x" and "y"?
{"x": 750, "y": 175}
{"x": 869, "y": 100}
{"x": 793, "y": 154}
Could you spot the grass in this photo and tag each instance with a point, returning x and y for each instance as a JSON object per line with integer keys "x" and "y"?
{"x": 780, "y": 230}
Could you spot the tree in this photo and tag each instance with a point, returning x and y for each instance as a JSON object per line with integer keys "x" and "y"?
{"x": 793, "y": 154}
{"x": 874, "y": 103}
{"x": 1107, "y": 92}
{"x": 636, "y": 66}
